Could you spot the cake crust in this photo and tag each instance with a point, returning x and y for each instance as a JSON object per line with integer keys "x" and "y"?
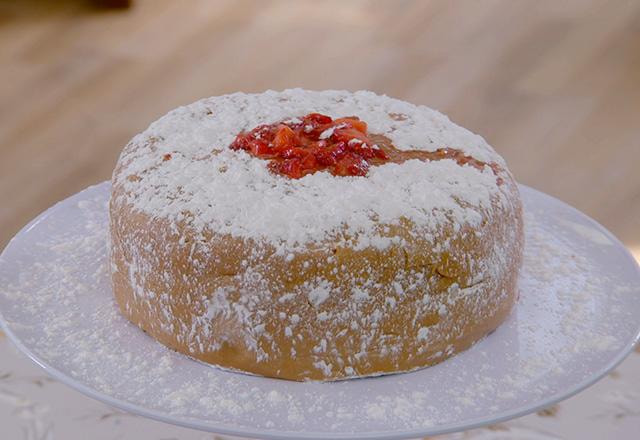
{"x": 397, "y": 293}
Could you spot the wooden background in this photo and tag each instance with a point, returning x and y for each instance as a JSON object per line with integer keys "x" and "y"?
{"x": 553, "y": 86}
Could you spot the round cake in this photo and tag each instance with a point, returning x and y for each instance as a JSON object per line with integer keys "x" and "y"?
{"x": 314, "y": 235}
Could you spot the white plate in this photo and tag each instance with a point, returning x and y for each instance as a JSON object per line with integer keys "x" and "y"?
{"x": 578, "y": 316}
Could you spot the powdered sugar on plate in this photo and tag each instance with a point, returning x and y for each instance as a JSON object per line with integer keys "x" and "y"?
{"x": 577, "y": 315}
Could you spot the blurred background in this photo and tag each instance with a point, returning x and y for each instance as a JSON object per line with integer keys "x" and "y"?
{"x": 553, "y": 86}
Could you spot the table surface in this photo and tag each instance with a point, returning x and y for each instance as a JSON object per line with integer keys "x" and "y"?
{"x": 553, "y": 86}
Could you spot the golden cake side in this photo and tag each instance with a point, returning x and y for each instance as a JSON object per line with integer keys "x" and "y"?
{"x": 237, "y": 304}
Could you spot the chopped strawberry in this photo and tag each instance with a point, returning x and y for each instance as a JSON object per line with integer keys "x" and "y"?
{"x": 317, "y": 118}
{"x": 353, "y": 122}
{"x": 285, "y": 138}
{"x": 351, "y": 165}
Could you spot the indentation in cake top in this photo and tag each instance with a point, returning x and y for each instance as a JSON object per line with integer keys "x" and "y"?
{"x": 343, "y": 146}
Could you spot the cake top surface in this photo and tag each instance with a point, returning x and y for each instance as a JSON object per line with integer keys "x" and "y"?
{"x": 210, "y": 186}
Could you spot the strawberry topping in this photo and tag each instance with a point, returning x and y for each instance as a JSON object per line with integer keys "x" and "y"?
{"x": 313, "y": 143}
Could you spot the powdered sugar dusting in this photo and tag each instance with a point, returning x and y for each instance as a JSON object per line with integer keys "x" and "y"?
{"x": 231, "y": 192}
{"x": 578, "y": 307}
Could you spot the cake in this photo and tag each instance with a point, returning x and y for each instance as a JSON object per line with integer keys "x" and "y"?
{"x": 313, "y": 235}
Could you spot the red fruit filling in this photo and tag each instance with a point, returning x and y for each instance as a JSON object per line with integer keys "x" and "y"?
{"x": 313, "y": 143}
